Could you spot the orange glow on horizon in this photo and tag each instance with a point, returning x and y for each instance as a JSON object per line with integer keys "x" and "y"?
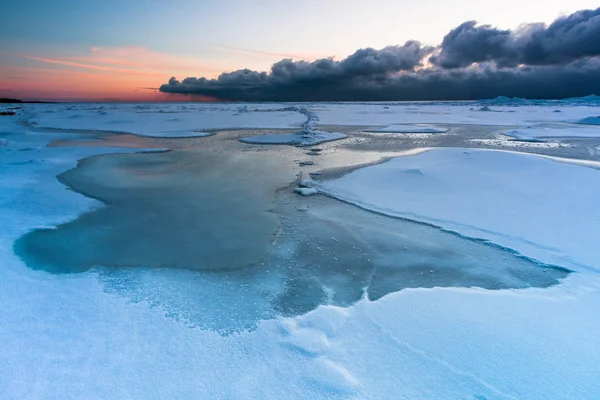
{"x": 105, "y": 74}
{"x": 126, "y": 73}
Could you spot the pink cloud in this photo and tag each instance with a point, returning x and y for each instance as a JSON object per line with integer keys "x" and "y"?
{"x": 91, "y": 66}
{"x": 141, "y": 58}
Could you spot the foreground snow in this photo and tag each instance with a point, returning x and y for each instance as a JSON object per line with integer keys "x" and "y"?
{"x": 542, "y": 208}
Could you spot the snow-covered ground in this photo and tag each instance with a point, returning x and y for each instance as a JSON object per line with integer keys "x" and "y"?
{"x": 163, "y": 120}
{"x": 539, "y": 207}
{"x": 561, "y": 131}
{"x": 66, "y": 336}
{"x": 379, "y": 114}
{"x": 407, "y": 129}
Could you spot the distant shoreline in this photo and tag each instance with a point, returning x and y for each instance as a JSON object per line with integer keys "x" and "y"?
{"x": 5, "y": 100}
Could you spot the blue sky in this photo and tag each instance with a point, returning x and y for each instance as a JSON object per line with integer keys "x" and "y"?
{"x": 45, "y": 41}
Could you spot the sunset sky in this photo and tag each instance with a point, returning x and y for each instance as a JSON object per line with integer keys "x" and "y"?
{"x": 125, "y": 50}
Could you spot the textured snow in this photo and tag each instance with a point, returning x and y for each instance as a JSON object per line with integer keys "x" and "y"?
{"x": 520, "y": 143}
{"x": 407, "y": 129}
{"x": 544, "y": 209}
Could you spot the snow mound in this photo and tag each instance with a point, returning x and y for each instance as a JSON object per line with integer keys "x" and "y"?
{"x": 543, "y": 209}
{"x": 305, "y": 191}
{"x": 589, "y": 121}
{"x": 504, "y": 101}
{"x": 407, "y": 129}
{"x": 162, "y": 120}
{"x": 591, "y": 100}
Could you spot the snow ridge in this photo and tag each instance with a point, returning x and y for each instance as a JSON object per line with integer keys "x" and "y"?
{"x": 308, "y": 136}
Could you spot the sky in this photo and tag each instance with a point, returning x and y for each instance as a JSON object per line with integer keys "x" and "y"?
{"x": 127, "y": 50}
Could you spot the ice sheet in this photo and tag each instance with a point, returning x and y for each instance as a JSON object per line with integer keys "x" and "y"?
{"x": 189, "y": 119}
{"x": 163, "y": 120}
{"x": 544, "y": 209}
{"x": 375, "y": 114}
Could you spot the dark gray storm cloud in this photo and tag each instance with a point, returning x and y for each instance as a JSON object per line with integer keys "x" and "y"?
{"x": 473, "y": 62}
{"x": 565, "y": 40}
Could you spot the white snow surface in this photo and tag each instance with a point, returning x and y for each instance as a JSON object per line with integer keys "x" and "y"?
{"x": 65, "y": 337}
{"x": 407, "y": 129}
{"x": 542, "y": 208}
{"x": 192, "y": 119}
{"x": 375, "y": 114}
{"x": 165, "y": 120}
{"x": 561, "y": 131}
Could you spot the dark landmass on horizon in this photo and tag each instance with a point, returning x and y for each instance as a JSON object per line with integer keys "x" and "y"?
{"x": 5, "y": 100}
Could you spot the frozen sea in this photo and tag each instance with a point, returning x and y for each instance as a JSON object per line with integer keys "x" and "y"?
{"x": 162, "y": 251}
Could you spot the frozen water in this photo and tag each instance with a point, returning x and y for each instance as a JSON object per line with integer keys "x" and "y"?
{"x": 171, "y": 209}
{"x": 199, "y": 211}
{"x": 539, "y": 207}
{"x": 82, "y": 336}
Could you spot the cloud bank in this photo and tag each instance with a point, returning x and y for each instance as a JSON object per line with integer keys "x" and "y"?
{"x": 473, "y": 62}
